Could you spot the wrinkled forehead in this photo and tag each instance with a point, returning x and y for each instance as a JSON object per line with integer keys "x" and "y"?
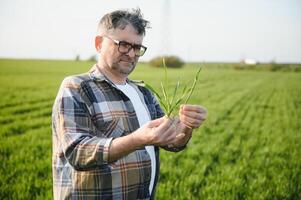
{"x": 127, "y": 33}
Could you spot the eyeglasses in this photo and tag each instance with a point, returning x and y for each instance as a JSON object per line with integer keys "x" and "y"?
{"x": 125, "y": 47}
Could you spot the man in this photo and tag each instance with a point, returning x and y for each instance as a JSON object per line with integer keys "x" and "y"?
{"x": 107, "y": 129}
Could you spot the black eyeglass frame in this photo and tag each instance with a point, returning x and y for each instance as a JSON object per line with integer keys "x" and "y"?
{"x": 138, "y": 49}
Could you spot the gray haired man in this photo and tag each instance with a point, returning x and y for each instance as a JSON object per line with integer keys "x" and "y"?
{"x": 107, "y": 129}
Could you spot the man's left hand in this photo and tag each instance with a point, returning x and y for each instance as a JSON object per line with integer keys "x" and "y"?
{"x": 192, "y": 116}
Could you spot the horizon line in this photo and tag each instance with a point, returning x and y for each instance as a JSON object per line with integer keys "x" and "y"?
{"x": 144, "y": 61}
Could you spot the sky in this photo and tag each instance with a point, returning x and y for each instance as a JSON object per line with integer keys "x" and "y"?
{"x": 194, "y": 30}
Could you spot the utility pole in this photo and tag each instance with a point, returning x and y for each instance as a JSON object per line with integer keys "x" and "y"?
{"x": 165, "y": 29}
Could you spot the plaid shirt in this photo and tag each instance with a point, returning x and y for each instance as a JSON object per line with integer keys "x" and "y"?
{"x": 88, "y": 113}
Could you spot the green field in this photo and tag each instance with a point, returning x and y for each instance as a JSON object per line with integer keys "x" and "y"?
{"x": 248, "y": 148}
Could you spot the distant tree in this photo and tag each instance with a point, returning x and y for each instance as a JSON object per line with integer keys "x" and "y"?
{"x": 93, "y": 58}
{"x": 170, "y": 61}
{"x": 77, "y": 57}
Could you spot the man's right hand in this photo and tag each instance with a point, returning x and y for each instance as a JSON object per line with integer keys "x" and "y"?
{"x": 159, "y": 132}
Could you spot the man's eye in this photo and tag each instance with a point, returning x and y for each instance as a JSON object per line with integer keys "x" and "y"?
{"x": 125, "y": 44}
{"x": 137, "y": 47}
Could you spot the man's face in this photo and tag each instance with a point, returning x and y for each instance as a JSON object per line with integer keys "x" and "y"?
{"x": 120, "y": 64}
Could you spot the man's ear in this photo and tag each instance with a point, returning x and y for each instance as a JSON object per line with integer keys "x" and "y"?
{"x": 98, "y": 43}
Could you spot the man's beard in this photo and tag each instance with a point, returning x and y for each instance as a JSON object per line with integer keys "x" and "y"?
{"x": 124, "y": 70}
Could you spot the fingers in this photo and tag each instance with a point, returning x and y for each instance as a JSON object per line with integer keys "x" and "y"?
{"x": 192, "y": 115}
{"x": 156, "y": 122}
{"x": 180, "y": 136}
{"x": 171, "y": 133}
{"x": 193, "y": 108}
{"x": 165, "y": 125}
{"x": 166, "y": 132}
{"x": 190, "y": 122}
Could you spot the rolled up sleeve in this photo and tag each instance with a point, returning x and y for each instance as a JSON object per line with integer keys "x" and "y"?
{"x": 76, "y": 133}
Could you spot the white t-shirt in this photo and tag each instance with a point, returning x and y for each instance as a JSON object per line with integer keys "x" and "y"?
{"x": 143, "y": 117}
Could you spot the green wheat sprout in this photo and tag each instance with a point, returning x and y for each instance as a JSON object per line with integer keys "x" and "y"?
{"x": 171, "y": 103}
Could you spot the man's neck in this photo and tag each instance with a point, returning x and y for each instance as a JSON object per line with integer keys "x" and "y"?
{"x": 115, "y": 78}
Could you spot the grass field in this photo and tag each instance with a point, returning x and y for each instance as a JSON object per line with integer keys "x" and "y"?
{"x": 249, "y": 147}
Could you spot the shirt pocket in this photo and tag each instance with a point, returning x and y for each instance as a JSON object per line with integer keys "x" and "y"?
{"x": 109, "y": 128}
{"x": 108, "y": 122}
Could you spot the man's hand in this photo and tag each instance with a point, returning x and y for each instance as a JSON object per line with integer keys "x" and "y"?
{"x": 157, "y": 132}
{"x": 165, "y": 131}
{"x": 192, "y": 116}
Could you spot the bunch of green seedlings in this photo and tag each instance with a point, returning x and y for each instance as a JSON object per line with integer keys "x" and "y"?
{"x": 171, "y": 103}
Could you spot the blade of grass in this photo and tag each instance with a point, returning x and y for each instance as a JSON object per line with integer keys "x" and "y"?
{"x": 179, "y": 100}
{"x": 169, "y": 104}
{"x": 152, "y": 90}
{"x": 165, "y": 97}
{"x": 165, "y": 83}
{"x": 175, "y": 92}
{"x": 193, "y": 86}
{"x": 165, "y": 72}
{"x": 163, "y": 91}
{"x": 162, "y": 103}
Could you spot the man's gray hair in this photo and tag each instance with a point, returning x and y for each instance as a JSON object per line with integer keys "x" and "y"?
{"x": 120, "y": 19}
